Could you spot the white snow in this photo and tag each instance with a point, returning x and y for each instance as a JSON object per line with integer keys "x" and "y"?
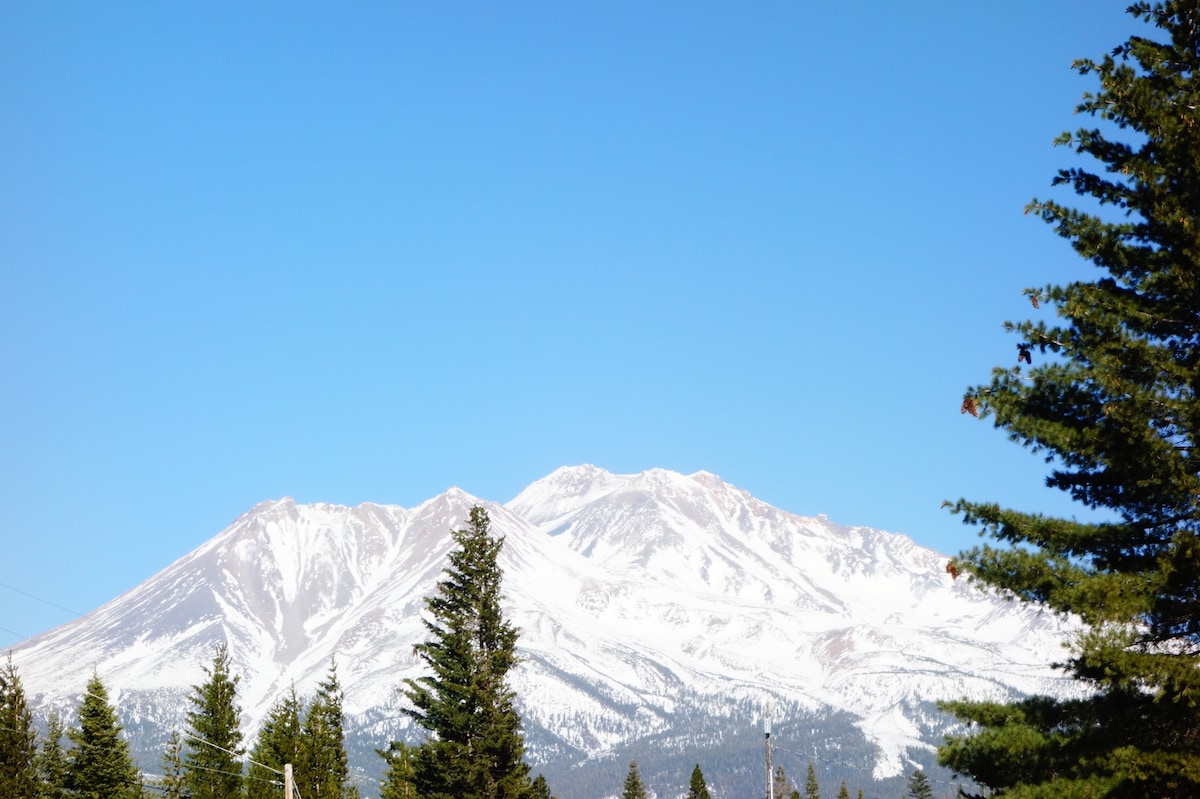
{"x": 633, "y": 592}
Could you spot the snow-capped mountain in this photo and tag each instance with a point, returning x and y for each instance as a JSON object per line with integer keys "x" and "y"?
{"x": 653, "y": 607}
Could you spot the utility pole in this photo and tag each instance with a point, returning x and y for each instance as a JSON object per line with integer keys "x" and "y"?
{"x": 287, "y": 781}
{"x": 767, "y": 738}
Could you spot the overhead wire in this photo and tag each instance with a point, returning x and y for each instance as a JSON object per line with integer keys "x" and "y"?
{"x": 187, "y": 734}
{"x": 40, "y": 599}
{"x": 21, "y": 637}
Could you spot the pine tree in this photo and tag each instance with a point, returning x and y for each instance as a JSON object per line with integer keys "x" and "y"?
{"x": 843, "y": 792}
{"x": 633, "y": 788}
{"x": 476, "y": 748}
{"x": 171, "y": 785}
{"x": 538, "y": 789}
{"x": 99, "y": 765}
{"x": 399, "y": 776}
{"x": 1111, "y": 401}
{"x": 919, "y": 786}
{"x": 698, "y": 788}
{"x": 780, "y": 787}
{"x": 325, "y": 773}
{"x": 811, "y": 789}
{"x": 212, "y": 767}
{"x": 52, "y": 761}
{"x": 277, "y": 744}
{"x": 18, "y": 743}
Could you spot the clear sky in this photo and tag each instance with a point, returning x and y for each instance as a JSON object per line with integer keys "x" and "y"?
{"x": 367, "y": 251}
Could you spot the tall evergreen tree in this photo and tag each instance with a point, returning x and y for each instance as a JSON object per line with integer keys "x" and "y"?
{"x": 811, "y": 789}
{"x": 919, "y": 786}
{"x": 325, "y": 772}
{"x": 1108, "y": 393}
{"x": 633, "y": 788}
{"x": 698, "y": 788}
{"x": 476, "y": 747}
{"x": 99, "y": 765}
{"x": 278, "y": 743}
{"x": 18, "y": 743}
{"x": 212, "y": 766}
{"x": 52, "y": 761}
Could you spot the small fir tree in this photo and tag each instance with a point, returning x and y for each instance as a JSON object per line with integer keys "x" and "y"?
{"x": 919, "y": 786}
{"x": 171, "y": 785}
{"x": 277, "y": 744}
{"x": 476, "y": 748}
{"x": 633, "y": 788}
{"x": 1109, "y": 393}
{"x": 538, "y": 789}
{"x": 18, "y": 742}
{"x": 697, "y": 788}
{"x": 781, "y": 788}
{"x": 326, "y": 771}
{"x": 843, "y": 792}
{"x": 52, "y": 761}
{"x": 99, "y": 765}
{"x": 811, "y": 789}
{"x": 212, "y": 767}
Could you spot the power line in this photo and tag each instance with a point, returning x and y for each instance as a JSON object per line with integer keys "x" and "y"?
{"x": 187, "y": 734}
{"x": 40, "y": 599}
{"x": 20, "y": 636}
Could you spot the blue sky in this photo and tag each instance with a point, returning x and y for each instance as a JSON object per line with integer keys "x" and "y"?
{"x": 368, "y": 252}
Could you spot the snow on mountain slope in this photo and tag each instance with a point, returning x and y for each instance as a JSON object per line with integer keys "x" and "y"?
{"x": 745, "y": 594}
{"x": 639, "y": 597}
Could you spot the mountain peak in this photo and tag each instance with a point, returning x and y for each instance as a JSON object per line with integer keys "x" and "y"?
{"x": 637, "y": 595}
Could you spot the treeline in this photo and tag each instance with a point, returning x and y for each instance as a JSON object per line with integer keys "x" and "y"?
{"x": 207, "y": 759}
{"x": 474, "y": 747}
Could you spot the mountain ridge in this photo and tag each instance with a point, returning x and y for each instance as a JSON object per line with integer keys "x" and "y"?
{"x": 641, "y": 598}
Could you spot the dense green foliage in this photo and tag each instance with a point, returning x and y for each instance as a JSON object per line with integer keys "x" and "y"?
{"x": 919, "y": 786}
{"x": 98, "y": 764}
{"x": 811, "y": 789}
{"x": 843, "y": 791}
{"x": 697, "y": 788}
{"x": 212, "y": 766}
{"x": 18, "y": 745}
{"x": 539, "y": 789}
{"x": 277, "y": 744}
{"x": 52, "y": 761}
{"x": 475, "y": 749}
{"x": 312, "y": 741}
{"x": 1108, "y": 393}
{"x": 324, "y": 769}
{"x": 633, "y": 787}
{"x": 399, "y": 776}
